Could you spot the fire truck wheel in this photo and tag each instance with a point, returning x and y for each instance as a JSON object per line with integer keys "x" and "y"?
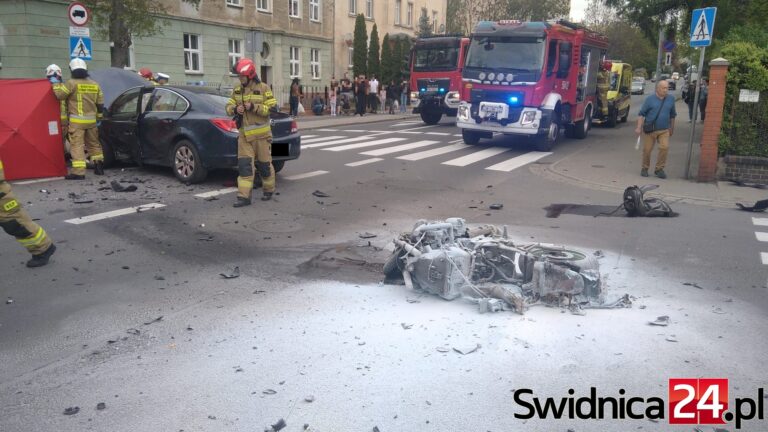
{"x": 431, "y": 117}
{"x": 471, "y": 138}
{"x": 625, "y": 116}
{"x": 582, "y": 127}
{"x": 546, "y": 142}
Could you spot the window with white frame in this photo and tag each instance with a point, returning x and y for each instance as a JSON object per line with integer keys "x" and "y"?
{"x": 434, "y": 21}
{"x": 262, "y": 5}
{"x": 314, "y": 10}
{"x": 235, "y": 52}
{"x": 314, "y": 63}
{"x": 350, "y": 57}
{"x": 369, "y": 8}
{"x": 409, "y": 15}
{"x": 238, "y": 3}
{"x": 193, "y": 53}
{"x": 295, "y": 62}
{"x": 398, "y": 6}
{"x": 353, "y": 7}
{"x": 293, "y": 9}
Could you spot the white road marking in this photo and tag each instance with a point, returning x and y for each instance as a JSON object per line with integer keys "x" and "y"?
{"x": 355, "y": 130}
{"x": 216, "y": 192}
{"x": 308, "y": 136}
{"x": 762, "y": 236}
{"x": 760, "y": 221}
{"x": 326, "y": 130}
{"x": 365, "y": 144}
{"x": 409, "y": 123}
{"x": 457, "y": 135}
{"x": 764, "y": 257}
{"x": 476, "y": 156}
{"x": 517, "y": 162}
{"x": 305, "y": 175}
{"x": 404, "y": 147}
{"x": 438, "y": 133}
{"x": 364, "y": 162}
{"x": 343, "y": 141}
{"x": 26, "y": 182}
{"x": 310, "y": 141}
{"x": 434, "y": 152}
{"x": 417, "y": 128}
{"x": 114, "y": 213}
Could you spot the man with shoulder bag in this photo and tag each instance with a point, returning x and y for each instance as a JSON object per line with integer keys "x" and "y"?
{"x": 656, "y": 123}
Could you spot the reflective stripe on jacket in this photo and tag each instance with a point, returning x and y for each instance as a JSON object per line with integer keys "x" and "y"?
{"x": 83, "y": 97}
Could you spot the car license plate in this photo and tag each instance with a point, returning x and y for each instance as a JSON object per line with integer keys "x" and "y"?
{"x": 432, "y": 88}
{"x": 493, "y": 110}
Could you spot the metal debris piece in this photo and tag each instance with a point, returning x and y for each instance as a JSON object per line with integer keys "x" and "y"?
{"x": 83, "y": 201}
{"x": 490, "y": 305}
{"x": 9, "y": 301}
{"x": 309, "y": 398}
{"x": 117, "y": 187}
{"x": 693, "y": 284}
{"x": 376, "y": 429}
{"x": 496, "y": 206}
{"x": 671, "y": 338}
{"x": 367, "y": 235}
{"x": 406, "y": 326}
{"x": 45, "y": 191}
{"x": 277, "y": 426}
{"x": 211, "y": 417}
{"x": 662, "y": 321}
{"x": 269, "y": 392}
{"x": 71, "y": 410}
{"x": 133, "y": 331}
{"x": 158, "y": 319}
{"x": 467, "y": 350}
{"x": 412, "y": 300}
{"x": 234, "y": 274}
{"x": 159, "y": 277}
{"x": 443, "y": 349}
{"x": 320, "y": 194}
{"x": 101, "y": 406}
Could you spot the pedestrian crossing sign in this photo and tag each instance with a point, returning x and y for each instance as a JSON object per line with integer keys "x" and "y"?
{"x": 702, "y": 26}
{"x": 80, "y": 47}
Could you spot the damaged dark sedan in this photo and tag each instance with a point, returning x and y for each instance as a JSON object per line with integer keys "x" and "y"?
{"x": 185, "y": 128}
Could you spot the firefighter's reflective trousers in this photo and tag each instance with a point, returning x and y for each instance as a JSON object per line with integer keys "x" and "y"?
{"x": 78, "y": 140}
{"x": 17, "y": 223}
{"x": 254, "y": 152}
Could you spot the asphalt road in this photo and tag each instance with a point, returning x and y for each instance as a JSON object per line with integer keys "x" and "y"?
{"x": 308, "y": 315}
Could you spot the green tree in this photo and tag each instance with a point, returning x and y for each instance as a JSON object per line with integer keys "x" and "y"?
{"x": 119, "y": 21}
{"x": 387, "y": 66}
{"x": 401, "y": 54}
{"x": 374, "y": 62}
{"x": 425, "y": 27}
{"x": 360, "y": 47}
{"x": 453, "y": 16}
{"x": 463, "y": 15}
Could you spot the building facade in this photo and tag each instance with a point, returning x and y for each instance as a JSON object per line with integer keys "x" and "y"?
{"x": 396, "y": 17}
{"x": 286, "y": 38}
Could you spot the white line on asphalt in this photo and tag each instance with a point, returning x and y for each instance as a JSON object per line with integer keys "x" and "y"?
{"x": 330, "y": 143}
{"x": 412, "y": 132}
{"x": 355, "y": 130}
{"x": 416, "y": 128}
{"x": 437, "y": 133}
{"x": 365, "y": 144}
{"x": 26, "y": 182}
{"x": 404, "y": 147}
{"x": 114, "y": 213}
{"x": 760, "y": 221}
{"x": 313, "y": 140}
{"x": 476, "y": 156}
{"x": 364, "y": 162}
{"x": 326, "y": 130}
{"x": 517, "y": 162}
{"x": 305, "y": 175}
{"x": 308, "y": 136}
{"x": 408, "y": 123}
{"x": 457, "y": 135}
{"x": 761, "y": 236}
{"x": 216, "y": 192}
{"x": 434, "y": 152}
{"x": 764, "y": 257}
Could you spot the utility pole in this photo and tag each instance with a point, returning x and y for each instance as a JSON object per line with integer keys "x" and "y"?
{"x": 660, "y": 52}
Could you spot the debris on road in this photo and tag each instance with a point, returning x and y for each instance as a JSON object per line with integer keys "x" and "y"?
{"x": 158, "y": 319}
{"x": 635, "y": 204}
{"x": 71, "y": 410}
{"x": 406, "y": 326}
{"x": 467, "y": 350}
{"x": 759, "y": 206}
{"x": 367, "y": 235}
{"x": 117, "y": 187}
{"x": 693, "y": 284}
{"x": 662, "y": 321}
{"x": 671, "y": 338}
{"x": 277, "y": 426}
{"x": 309, "y": 398}
{"x": 9, "y": 301}
{"x": 269, "y": 392}
{"x": 133, "y": 331}
{"x": 234, "y": 274}
{"x": 482, "y": 264}
{"x": 101, "y": 406}
{"x": 320, "y": 194}
{"x": 496, "y": 206}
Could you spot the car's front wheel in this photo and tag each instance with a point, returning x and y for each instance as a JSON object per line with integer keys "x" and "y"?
{"x": 186, "y": 163}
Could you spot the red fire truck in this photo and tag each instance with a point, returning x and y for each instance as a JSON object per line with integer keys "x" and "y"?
{"x": 530, "y": 79}
{"x": 436, "y": 76}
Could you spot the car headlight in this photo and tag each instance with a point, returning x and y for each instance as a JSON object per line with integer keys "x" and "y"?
{"x": 528, "y": 117}
{"x": 414, "y": 95}
{"x": 463, "y": 112}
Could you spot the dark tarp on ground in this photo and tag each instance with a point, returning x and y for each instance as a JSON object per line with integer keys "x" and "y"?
{"x": 30, "y": 130}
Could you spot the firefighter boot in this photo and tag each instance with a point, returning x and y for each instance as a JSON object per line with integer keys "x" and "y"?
{"x": 42, "y": 259}
{"x": 98, "y": 168}
{"x": 267, "y": 196}
{"x": 242, "y": 202}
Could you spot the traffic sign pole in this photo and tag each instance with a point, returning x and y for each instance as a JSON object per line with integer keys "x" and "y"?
{"x": 695, "y": 112}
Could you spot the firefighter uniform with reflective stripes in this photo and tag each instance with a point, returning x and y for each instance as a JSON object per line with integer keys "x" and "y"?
{"x": 64, "y": 116}
{"x": 255, "y": 139}
{"x": 17, "y": 223}
{"x": 84, "y": 100}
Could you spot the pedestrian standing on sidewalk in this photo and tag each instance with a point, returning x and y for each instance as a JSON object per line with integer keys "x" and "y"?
{"x": 688, "y": 96}
{"x": 293, "y": 100}
{"x": 656, "y": 122}
{"x": 403, "y": 95}
{"x": 361, "y": 95}
{"x": 373, "y": 94}
{"x": 704, "y": 92}
{"x": 332, "y": 95}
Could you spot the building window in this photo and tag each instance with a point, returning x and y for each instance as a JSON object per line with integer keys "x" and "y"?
{"x": 423, "y": 12}
{"x": 398, "y": 6}
{"x": 314, "y": 10}
{"x": 369, "y": 8}
{"x": 235, "y": 52}
{"x": 434, "y": 21}
{"x": 350, "y": 57}
{"x": 409, "y": 15}
{"x": 238, "y": 3}
{"x": 314, "y": 63}
{"x": 293, "y": 9}
{"x": 295, "y": 61}
{"x": 262, "y": 5}
{"x": 353, "y": 7}
{"x": 193, "y": 53}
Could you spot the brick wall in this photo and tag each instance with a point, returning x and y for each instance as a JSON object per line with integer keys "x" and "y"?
{"x": 718, "y": 68}
{"x": 749, "y": 169}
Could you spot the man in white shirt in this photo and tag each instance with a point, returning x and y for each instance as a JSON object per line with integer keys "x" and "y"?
{"x": 373, "y": 95}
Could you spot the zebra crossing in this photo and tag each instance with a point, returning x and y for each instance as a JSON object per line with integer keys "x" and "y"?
{"x": 761, "y": 236}
{"x": 377, "y": 144}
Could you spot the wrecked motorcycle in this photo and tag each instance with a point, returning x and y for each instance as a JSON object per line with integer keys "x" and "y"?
{"x": 483, "y": 264}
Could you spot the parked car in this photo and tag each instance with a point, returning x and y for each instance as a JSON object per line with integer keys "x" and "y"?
{"x": 638, "y": 85}
{"x": 675, "y": 76}
{"x": 186, "y": 128}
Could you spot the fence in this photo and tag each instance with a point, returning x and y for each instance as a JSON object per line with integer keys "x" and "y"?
{"x": 748, "y": 133}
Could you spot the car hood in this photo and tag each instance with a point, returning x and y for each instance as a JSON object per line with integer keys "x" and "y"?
{"x": 114, "y": 81}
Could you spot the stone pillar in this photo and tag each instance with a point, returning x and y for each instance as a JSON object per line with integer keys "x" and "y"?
{"x": 718, "y": 68}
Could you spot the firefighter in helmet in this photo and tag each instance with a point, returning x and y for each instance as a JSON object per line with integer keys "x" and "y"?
{"x": 146, "y": 73}
{"x": 251, "y": 103}
{"x": 53, "y": 73}
{"x": 85, "y": 103}
{"x": 15, "y": 221}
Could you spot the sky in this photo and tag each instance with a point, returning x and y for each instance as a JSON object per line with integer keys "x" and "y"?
{"x": 577, "y": 9}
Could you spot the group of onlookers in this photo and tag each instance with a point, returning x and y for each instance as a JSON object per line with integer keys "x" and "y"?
{"x": 367, "y": 96}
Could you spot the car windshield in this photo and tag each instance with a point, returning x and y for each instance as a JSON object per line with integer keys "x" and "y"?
{"x": 506, "y": 53}
{"x": 216, "y": 101}
{"x": 435, "y": 58}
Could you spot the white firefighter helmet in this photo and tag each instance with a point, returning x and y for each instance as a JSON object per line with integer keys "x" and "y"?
{"x": 78, "y": 63}
{"x": 52, "y": 70}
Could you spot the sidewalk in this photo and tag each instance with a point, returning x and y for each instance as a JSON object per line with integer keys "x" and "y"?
{"x": 614, "y": 165}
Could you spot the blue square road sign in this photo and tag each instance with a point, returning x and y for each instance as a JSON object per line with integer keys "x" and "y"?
{"x": 702, "y": 26}
{"x": 80, "y": 47}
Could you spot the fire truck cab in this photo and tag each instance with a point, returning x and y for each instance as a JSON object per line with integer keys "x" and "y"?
{"x": 436, "y": 76}
{"x": 530, "y": 79}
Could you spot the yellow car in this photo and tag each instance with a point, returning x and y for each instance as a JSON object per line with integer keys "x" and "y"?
{"x": 614, "y": 92}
